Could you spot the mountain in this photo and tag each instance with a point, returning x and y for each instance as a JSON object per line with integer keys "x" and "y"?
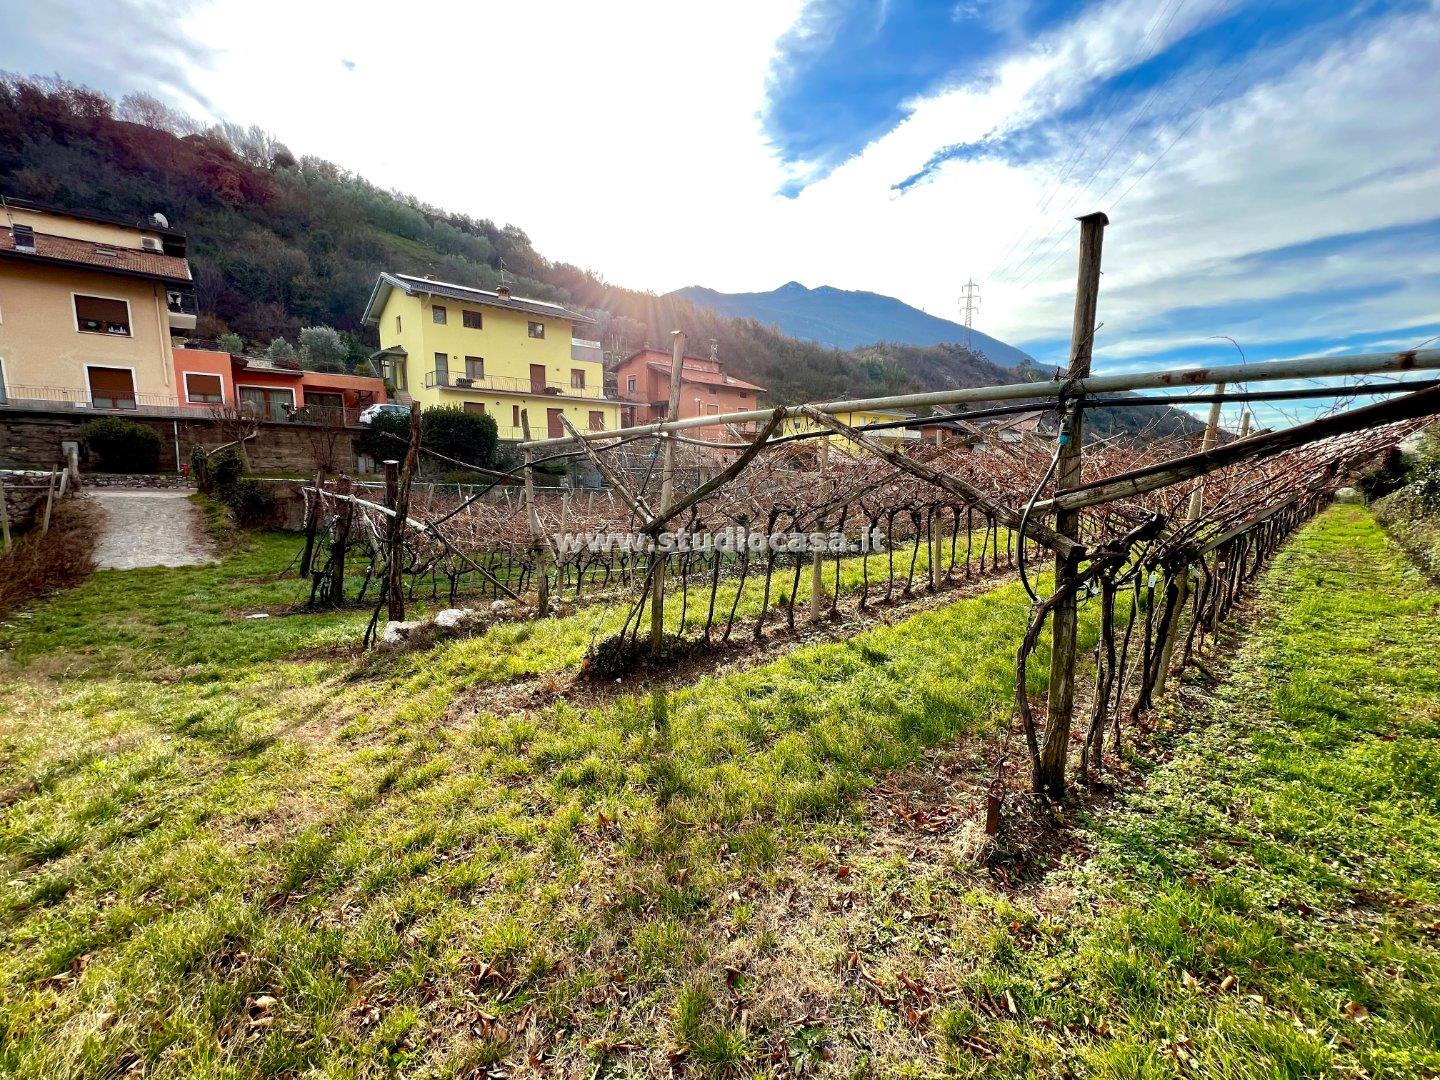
{"x": 278, "y": 242}
{"x": 846, "y": 320}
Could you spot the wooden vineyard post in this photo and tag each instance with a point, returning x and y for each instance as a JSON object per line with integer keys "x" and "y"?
{"x": 392, "y": 482}
{"x": 817, "y": 557}
{"x": 341, "y": 542}
{"x": 312, "y": 524}
{"x": 397, "y": 497}
{"x": 667, "y": 491}
{"x": 1192, "y": 513}
{"x": 49, "y": 504}
{"x": 4, "y": 517}
{"x": 537, "y": 538}
{"x": 1050, "y": 778}
{"x": 934, "y": 550}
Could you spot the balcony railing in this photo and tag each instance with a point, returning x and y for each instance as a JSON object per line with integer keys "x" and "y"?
{"x": 166, "y": 405}
{"x": 445, "y": 380}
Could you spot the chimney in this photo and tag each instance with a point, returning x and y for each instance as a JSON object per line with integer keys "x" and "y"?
{"x": 503, "y": 291}
{"x": 24, "y": 237}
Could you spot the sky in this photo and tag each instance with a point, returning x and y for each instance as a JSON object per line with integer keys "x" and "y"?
{"x": 1271, "y": 168}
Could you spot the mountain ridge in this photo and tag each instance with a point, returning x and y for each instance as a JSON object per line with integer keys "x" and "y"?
{"x": 849, "y": 319}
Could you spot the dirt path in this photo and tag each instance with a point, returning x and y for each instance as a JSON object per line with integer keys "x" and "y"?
{"x": 149, "y": 528}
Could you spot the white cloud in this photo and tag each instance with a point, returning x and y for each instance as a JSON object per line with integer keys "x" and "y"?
{"x": 628, "y": 138}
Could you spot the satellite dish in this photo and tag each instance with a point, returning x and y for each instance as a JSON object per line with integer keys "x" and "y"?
{"x": 160, "y": 219}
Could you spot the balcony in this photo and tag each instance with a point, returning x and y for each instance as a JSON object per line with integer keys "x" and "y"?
{"x": 504, "y": 385}
{"x": 56, "y": 398}
{"x": 180, "y": 303}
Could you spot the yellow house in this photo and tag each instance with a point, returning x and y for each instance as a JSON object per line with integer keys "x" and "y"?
{"x": 87, "y": 304}
{"x": 489, "y": 352}
{"x": 858, "y": 418}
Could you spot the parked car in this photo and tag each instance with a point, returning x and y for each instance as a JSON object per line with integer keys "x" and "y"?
{"x": 383, "y": 409}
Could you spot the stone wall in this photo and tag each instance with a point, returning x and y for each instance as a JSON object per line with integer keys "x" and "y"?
{"x": 33, "y": 439}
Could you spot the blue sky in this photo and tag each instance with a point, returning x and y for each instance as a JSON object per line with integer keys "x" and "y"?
{"x": 1271, "y": 169}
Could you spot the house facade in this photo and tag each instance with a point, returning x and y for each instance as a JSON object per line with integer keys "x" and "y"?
{"x": 208, "y": 379}
{"x": 642, "y": 380}
{"x": 489, "y": 352}
{"x": 87, "y": 308}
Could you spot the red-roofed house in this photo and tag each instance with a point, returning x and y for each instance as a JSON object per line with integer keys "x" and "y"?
{"x": 643, "y": 380}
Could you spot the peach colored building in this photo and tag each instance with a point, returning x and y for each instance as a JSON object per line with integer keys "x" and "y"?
{"x": 207, "y": 379}
{"x": 642, "y": 380}
{"x": 87, "y": 307}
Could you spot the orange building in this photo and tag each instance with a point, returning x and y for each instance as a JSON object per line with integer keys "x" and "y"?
{"x": 642, "y": 380}
{"x": 206, "y": 379}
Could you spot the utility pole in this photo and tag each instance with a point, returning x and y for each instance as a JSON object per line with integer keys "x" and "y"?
{"x": 1061, "y": 706}
{"x": 969, "y": 305}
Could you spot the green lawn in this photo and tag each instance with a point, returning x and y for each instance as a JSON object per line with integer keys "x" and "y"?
{"x": 228, "y": 853}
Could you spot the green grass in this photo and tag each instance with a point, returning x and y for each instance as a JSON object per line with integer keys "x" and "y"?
{"x": 224, "y": 861}
{"x": 1269, "y": 904}
{"x": 181, "y": 793}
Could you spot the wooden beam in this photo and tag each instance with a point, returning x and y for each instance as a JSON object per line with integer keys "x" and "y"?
{"x": 667, "y": 489}
{"x": 1064, "y": 623}
{"x": 1255, "y": 448}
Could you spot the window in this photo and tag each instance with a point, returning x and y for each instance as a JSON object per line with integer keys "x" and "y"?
{"x": 597, "y": 420}
{"x": 577, "y": 378}
{"x": 537, "y": 329}
{"x": 712, "y": 409}
{"x": 111, "y": 388}
{"x": 437, "y": 314}
{"x": 397, "y": 324}
{"x": 475, "y": 407}
{"x": 442, "y": 369}
{"x": 630, "y": 385}
{"x": 324, "y": 405}
{"x": 267, "y": 402}
{"x": 101, "y": 315}
{"x": 472, "y": 320}
{"x": 202, "y": 389}
{"x": 515, "y": 416}
{"x": 474, "y": 367}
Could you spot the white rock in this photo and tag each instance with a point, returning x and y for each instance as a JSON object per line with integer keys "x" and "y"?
{"x": 396, "y": 633}
{"x": 259, "y": 615}
{"x": 500, "y": 605}
{"x": 451, "y": 617}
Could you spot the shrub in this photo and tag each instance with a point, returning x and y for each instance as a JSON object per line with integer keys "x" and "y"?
{"x": 373, "y": 440}
{"x": 249, "y": 501}
{"x": 280, "y": 349}
{"x": 231, "y": 343}
{"x": 465, "y": 436}
{"x": 323, "y": 349}
{"x": 1381, "y": 479}
{"x": 124, "y": 445}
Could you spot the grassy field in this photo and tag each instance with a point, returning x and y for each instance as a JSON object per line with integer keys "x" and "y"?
{"x": 229, "y": 852}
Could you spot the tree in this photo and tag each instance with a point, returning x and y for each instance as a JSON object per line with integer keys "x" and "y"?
{"x": 280, "y": 349}
{"x": 231, "y": 342}
{"x": 323, "y": 349}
